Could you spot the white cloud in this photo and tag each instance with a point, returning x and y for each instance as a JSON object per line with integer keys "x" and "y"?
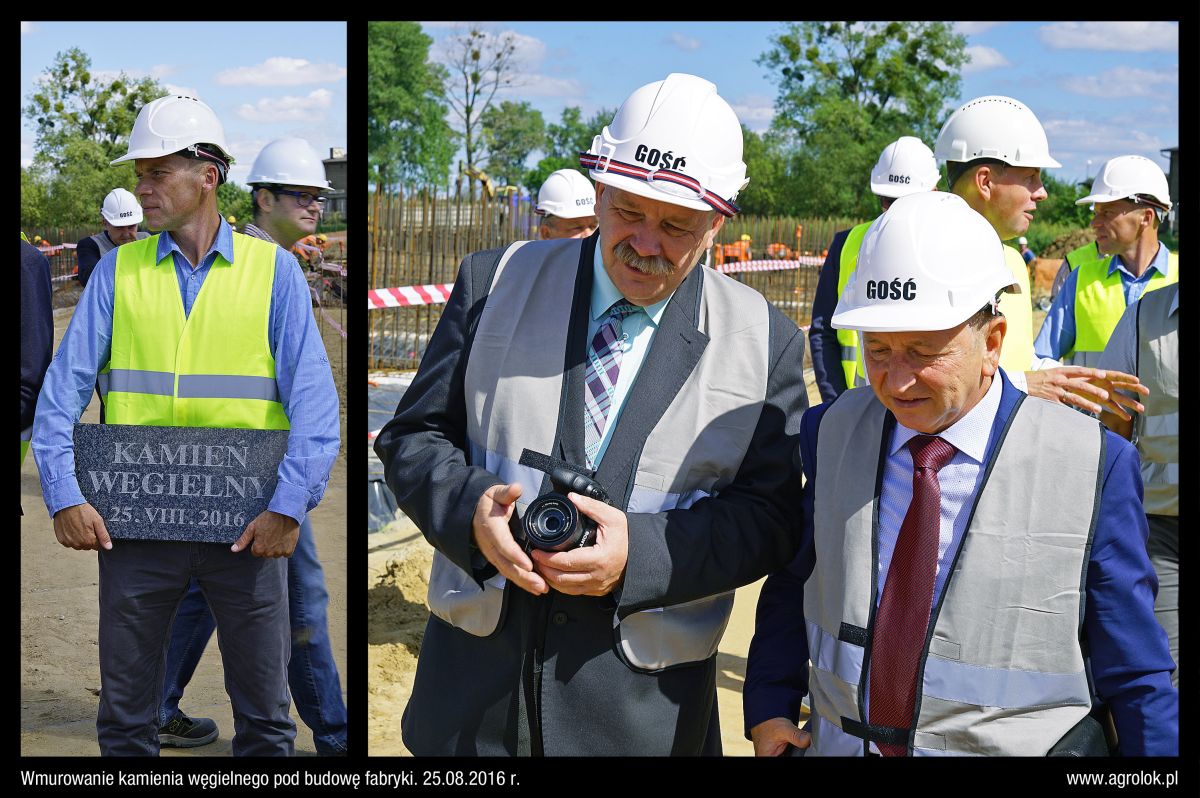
{"x": 755, "y": 111}
{"x": 185, "y": 90}
{"x": 685, "y": 43}
{"x": 28, "y": 27}
{"x": 1119, "y": 82}
{"x": 544, "y": 86}
{"x": 450, "y": 25}
{"x": 1100, "y": 140}
{"x": 281, "y": 71}
{"x": 287, "y": 109}
{"x": 1135, "y": 37}
{"x": 982, "y": 58}
{"x": 973, "y": 27}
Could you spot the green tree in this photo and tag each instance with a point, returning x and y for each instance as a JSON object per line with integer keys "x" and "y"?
{"x": 510, "y": 132}
{"x": 565, "y": 140}
{"x": 233, "y": 200}
{"x": 70, "y": 104}
{"x": 34, "y": 200}
{"x": 1059, "y": 206}
{"x": 848, "y": 89}
{"x": 408, "y": 138}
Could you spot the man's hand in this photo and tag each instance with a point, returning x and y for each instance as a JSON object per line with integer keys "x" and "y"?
{"x": 273, "y": 534}
{"x": 772, "y": 737}
{"x": 494, "y": 539}
{"x": 81, "y": 527}
{"x": 590, "y": 570}
{"x": 1091, "y": 389}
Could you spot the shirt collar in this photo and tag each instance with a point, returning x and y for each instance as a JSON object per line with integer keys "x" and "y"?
{"x": 604, "y": 293}
{"x": 223, "y": 245}
{"x": 1161, "y": 263}
{"x": 970, "y": 433}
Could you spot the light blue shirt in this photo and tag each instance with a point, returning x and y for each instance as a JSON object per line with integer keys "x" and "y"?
{"x": 301, "y": 372}
{"x": 637, "y": 332}
{"x": 1057, "y": 335}
{"x": 959, "y": 481}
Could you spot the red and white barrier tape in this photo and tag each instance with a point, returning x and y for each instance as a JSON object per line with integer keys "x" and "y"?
{"x": 373, "y": 433}
{"x": 408, "y": 295}
{"x": 769, "y": 265}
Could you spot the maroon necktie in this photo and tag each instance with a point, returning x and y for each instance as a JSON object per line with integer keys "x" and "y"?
{"x": 903, "y": 616}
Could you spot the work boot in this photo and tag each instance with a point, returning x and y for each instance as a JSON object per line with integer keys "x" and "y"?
{"x": 184, "y": 732}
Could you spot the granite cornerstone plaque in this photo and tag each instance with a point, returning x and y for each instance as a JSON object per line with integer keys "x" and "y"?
{"x": 193, "y": 484}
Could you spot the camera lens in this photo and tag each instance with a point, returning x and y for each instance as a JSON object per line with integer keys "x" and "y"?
{"x": 552, "y": 523}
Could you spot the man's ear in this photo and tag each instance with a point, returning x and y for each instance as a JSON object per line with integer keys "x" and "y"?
{"x": 993, "y": 342}
{"x": 983, "y": 181}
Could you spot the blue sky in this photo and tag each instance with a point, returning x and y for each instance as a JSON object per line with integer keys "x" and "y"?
{"x": 264, "y": 80}
{"x": 1101, "y": 89}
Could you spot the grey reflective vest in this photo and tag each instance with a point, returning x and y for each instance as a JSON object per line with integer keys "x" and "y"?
{"x": 103, "y": 241}
{"x": 513, "y": 385}
{"x": 1002, "y": 671}
{"x": 1157, "y": 429}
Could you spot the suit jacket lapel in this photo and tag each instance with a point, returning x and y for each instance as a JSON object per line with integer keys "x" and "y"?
{"x": 570, "y": 417}
{"x": 673, "y": 355}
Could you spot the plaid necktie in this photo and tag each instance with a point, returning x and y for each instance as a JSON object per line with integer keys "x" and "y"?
{"x": 903, "y": 616}
{"x": 600, "y": 381}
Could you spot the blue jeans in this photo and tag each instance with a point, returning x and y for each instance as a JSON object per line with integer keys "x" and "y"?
{"x": 312, "y": 673}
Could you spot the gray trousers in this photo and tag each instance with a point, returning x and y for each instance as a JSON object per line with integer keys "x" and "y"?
{"x": 141, "y": 585}
{"x": 1163, "y": 546}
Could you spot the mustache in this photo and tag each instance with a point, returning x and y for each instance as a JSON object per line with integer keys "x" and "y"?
{"x": 646, "y": 264}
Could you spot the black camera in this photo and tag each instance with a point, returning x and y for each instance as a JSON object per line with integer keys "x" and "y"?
{"x": 551, "y": 522}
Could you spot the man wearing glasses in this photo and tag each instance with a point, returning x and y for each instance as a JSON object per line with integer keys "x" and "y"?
{"x": 287, "y": 178}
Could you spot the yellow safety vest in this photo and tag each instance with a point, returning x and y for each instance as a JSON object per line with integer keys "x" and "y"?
{"x": 1017, "y": 353}
{"x": 848, "y": 339}
{"x": 1082, "y": 254}
{"x": 211, "y": 368}
{"x": 1100, "y": 301}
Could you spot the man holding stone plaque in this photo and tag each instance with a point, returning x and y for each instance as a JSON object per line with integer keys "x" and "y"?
{"x": 197, "y": 326}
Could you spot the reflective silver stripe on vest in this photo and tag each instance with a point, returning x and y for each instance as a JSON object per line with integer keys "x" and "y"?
{"x": 227, "y": 386}
{"x": 1086, "y": 358}
{"x": 1002, "y": 687}
{"x": 648, "y": 500}
{"x": 849, "y": 353}
{"x": 158, "y": 383}
{"x": 1167, "y": 424}
{"x": 826, "y": 652}
{"x": 828, "y": 739}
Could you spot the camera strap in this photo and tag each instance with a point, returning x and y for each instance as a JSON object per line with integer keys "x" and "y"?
{"x": 545, "y": 463}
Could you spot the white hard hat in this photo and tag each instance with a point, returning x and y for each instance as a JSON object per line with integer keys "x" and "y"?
{"x": 929, "y": 263}
{"x": 567, "y": 194}
{"x": 1126, "y": 176}
{"x": 121, "y": 208}
{"x": 995, "y": 127}
{"x": 289, "y": 162}
{"x": 1023, "y": 241}
{"x": 905, "y": 166}
{"x": 173, "y": 123}
{"x": 676, "y": 141}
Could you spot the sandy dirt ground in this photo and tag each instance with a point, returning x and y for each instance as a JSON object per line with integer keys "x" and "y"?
{"x": 60, "y": 674}
{"x": 398, "y": 562}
